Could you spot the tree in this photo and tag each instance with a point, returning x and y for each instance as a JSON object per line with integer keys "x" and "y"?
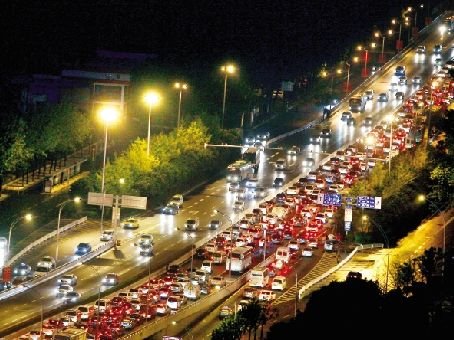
{"x": 231, "y": 328}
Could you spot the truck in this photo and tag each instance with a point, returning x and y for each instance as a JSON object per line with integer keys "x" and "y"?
{"x": 252, "y": 156}
{"x": 239, "y": 171}
{"x": 71, "y": 334}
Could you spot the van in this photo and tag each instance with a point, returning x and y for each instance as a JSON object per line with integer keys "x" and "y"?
{"x": 283, "y": 254}
{"x": 259, "y": 277}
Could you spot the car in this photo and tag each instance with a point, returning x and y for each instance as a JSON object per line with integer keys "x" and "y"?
{"x": 107, "y": 235}
{"x": 238, "y": 206}
{"x": 130, "y": 223}
{"x": 346, "y": 115}
{"x": 62, "y": 290}
{"x": 368, "y": 121}
{"x": 308, "y": 162}
{"x": 73, "y": 315}
{"x": 192, "y": 224}
{"x": 67, "y": 279}
{"x": 421, "y": 49}
{"x": 177, "y": 200}
{"x": 146, "y": 249}
{"x": 174, "y": 302}
{"x": 417, "y": 80}
{"x": 399, "y": 95}
{"x": 110, "y": 279}
{"x": 170, "y": 209}
{"x": 234, "y": 187}
{"x": 214, "y": 224}
{"x": 307, "y": 252}
{"x": 207, "y": 266}
{"x": 22, "y": 269}
{"x": 266, "y": 295}
{"x": 293, "y": 151}
{"x": 325, "y": 133}
{"x": 71, "y": 297}
{"x": 46, "y": 264}
{"x": 383, "y": 97}
{"x": 217, "y": 281}
{"x": 313, "y": 243}
{"x": 242, "y": 304}
{"x": 369, "y": 94}
{"x": 162, "y": 309}
{"x": 354, "y": 276}
{"x": 438, "y": 48}
{"x": 85, "y": 312}
{"x": 278, "y": 182}
{"x": 351, "y": 121}
{"x": 279, "y": 283}
{"x": 260, "y": 192}
{"x": 259, "y": 146}
{"x": 314, "y": 139}
{"x": 146, "y": 239}
{"x": 82, "y": 248}
{"x": 393, "y": 87}
{"x": 225, "y": 312}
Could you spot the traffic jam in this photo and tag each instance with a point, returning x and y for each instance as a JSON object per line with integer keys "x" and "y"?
{"x": 291, "y": 225}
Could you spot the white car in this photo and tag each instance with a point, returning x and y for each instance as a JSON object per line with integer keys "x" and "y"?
{"x": 307, "y": 252}
{"x": 63, "y": 290}
{"x": 217, "y": 281}
{"x": 279, "y": 283}
{"x": 46, "y": 264}
{"x": 192, "y": 224}
{"x": 177, "y": 200}
{"x": 267, "y": 295}
{"x": 107, "y": 235}
{"x": 67, "y": 279}
{"x": 238, "y": 206}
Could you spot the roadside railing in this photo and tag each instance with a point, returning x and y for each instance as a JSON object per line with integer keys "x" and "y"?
{"x": 44, "y": 239}
{"x": 56, "y": 272}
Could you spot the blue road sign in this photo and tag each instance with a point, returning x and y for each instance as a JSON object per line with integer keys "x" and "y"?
{"x": 368, "y": 202}
{"x": 332, "y": 199}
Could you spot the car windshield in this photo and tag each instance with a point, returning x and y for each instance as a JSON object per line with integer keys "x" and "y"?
{"x": 190, "y": 221}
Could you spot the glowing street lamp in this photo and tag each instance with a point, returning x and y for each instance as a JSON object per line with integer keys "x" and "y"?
{"x": 152, "y": 98}
{"x": 26, "y": 217}
{"x": 61, "y": 205}
{"x": 422, "y": 199}
{"x": 180, "y": 87}
{"x": 226, "y": 69}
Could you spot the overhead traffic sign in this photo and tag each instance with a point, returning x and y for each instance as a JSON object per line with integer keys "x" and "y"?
{"x": 135, "y": 202}
{"x": 329, "y": 199}
{"x": 368, "y": 202}
{"x": 96, "y": 198}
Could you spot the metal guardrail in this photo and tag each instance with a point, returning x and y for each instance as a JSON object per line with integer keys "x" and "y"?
{"x": 56, "y": 272}
{"x": 44, "y": 239}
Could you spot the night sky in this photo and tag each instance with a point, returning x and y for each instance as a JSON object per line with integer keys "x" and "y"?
{"x": 288, "y": 37}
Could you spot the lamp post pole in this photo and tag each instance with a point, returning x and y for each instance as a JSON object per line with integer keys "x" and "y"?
{"x": 11, "y": 227}
{"x": 348, "y": 78}
{"x": 58, "y": 228}
{"x": 223, "y": 100}
{"x": 366, "y": 57}
{"x": 383, "y": 49}
{"x": 179, "y": 108}
{"x": 149, "y": 130}
{"x": 385, "y": 237}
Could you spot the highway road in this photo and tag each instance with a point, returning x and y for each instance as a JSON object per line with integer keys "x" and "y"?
{"x": 171, "y": 243}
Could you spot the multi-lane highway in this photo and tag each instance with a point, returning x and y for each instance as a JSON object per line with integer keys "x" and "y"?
{"x": 170, "y": 242}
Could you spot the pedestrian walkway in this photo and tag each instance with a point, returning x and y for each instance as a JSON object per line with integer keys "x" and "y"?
{"x": 53, "y": 174}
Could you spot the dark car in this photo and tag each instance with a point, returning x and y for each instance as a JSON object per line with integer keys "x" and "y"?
{"x": 399, "y": 95}
{"x": 278, "y": 182}
{"x": 171, "y": 209}
{"x": 82, "y": 248}
{"x": 351, "y": 121}
{"x": 354, "y": 276}
{"x": 200, "y": 253}
{"x": 214, "y": 224}
{"x": 383, "y": 97}
{"x": 325, "y": 133}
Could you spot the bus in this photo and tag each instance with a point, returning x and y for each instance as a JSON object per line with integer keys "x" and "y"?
{"x": 357, "y": 103}
{"x": 252, "y": 155}
{"x": 238, "y": 171}
{"x": 241, "y": 259}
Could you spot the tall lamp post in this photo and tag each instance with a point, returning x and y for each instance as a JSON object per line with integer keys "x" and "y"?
{"x": 399, "y": 44}
{"x": 423, "y": 198}
{"x": 180, "y": 87}
{"x": 385, "y": 237}
{"x": 61, "y": 205}
{"x": 347, "y": 89}
{"x": 152, "y": 98}
{"x": 366, "y": 57}
{"x": 226, "y": 69}
{"x": 108, "y": 115}
{"x": 26, "y": 217}
{"x": 216, "y": 211}
{"x": 390, "y": 119}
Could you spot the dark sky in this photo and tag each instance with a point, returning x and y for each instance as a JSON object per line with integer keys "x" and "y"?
{"x": 289, "y": 36}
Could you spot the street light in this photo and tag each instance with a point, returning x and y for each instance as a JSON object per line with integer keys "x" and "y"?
{"x": 26, "y": 217}
{"x": 180, "y": 87}
{"x": 61, "y": 205}
{"x": 385, "y": 237}
{"x": 152, "y": 98}
{"x": 216, "y": 211}
{"x": 347, "y": 90}
{"x": 390, "y": 119}
{"x": 399, "y": 44}
{"x": 423, "y": 198}
{"x": 227, "y": 69}
{"x": 108, "y": 115}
